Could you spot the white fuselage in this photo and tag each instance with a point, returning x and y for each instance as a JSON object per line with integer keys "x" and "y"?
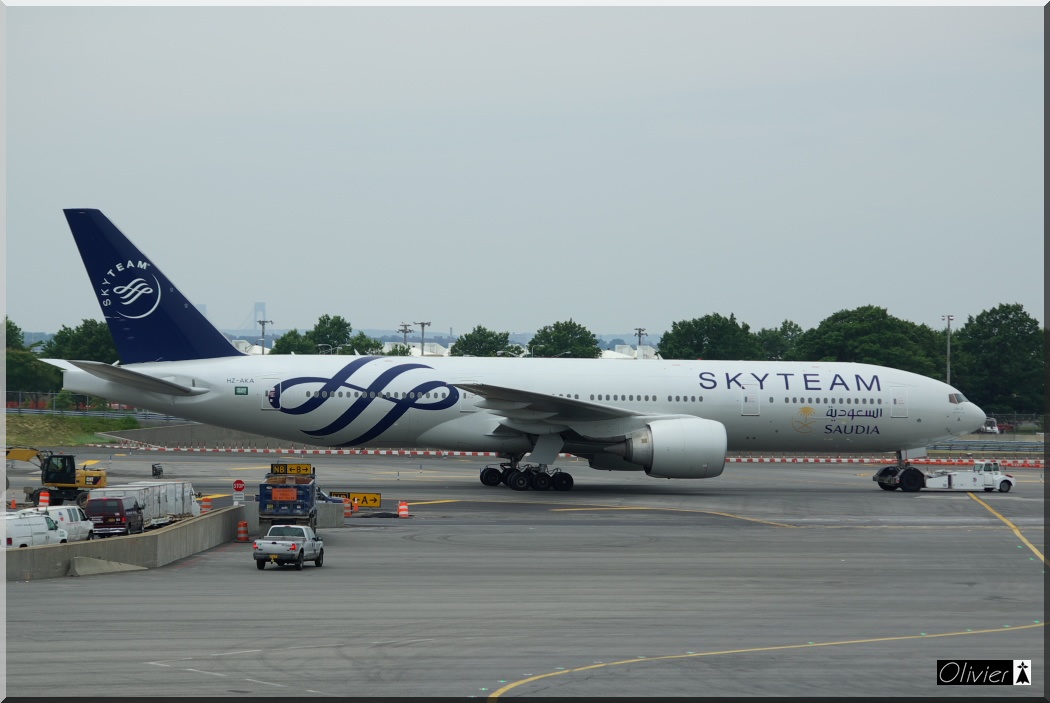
{"x": 412, "y": 402}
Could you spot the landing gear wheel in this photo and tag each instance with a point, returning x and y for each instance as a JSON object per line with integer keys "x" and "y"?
{"x": 518, "y": 480}
{"x": 260, "y": 564}
{"x": 1004, "y": 487}
{"x": 911, "y": 480}
{"x": 491, "y": 476}
{"x": 887, "y": 487}
{"x": 319, "y": 561}
{"x": 299, "y": 562}
{"x": 562, "y": 481}
{"x": 540, "y": 481}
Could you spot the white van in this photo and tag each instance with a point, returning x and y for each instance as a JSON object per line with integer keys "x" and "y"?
{"x": 70, "y": 518}
{"x": 26, "y": 530}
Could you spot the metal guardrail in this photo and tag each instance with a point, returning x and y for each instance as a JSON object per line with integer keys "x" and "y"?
{"x": 111, "y": 414}
{"x": 1002, "y": 446}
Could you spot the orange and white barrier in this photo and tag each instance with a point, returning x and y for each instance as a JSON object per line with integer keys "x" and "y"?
{"x": 242, "y": 531}
{"x": 205, "y": 505}
{"x": 402, "y": 509}
{"x": 1014, "y": 463}
{"x": 348, "y": 508}
{"x": 45, "y": 499}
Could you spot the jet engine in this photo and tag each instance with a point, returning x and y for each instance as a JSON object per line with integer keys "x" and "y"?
{"x": 677, "y": 448}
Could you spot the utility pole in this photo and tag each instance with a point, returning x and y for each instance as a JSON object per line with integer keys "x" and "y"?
{"x": 640, "y": 331}
{"x": 262, "y": 340}
{"x": 948, "y": 375}
{"x": 422, "y": 336}
{"x": 404, "y": 329}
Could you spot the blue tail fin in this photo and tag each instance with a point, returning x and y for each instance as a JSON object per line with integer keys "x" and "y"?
{"x": 150, "y": 320}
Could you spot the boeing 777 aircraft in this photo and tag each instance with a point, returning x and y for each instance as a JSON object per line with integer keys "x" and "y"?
{"x": 671, "y": 419}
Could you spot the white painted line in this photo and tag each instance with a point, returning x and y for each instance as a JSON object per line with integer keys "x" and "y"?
{"x": 267, "y": 683}
{"x": 226, "y": 654}
{"x": 198, "y": 671}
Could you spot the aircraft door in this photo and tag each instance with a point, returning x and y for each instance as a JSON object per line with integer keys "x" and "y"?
{"x": 749, "y": 403}
{"x": 467, "y": 401}
{"x": 899, "y": 402}
{"x": 271, "y": 394}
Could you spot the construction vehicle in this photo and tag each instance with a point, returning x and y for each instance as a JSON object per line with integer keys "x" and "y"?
{"x": 59, "y": 476}
{"x": 984, "y": 475}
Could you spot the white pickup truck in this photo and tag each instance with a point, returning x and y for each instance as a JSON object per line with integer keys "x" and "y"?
{"x": 288, "y": 544}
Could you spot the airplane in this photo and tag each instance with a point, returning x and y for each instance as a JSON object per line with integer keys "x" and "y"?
{"x": 668, "y": 418}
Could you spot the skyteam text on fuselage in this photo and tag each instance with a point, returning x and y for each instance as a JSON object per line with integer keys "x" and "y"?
{"x": 671, "y": 419}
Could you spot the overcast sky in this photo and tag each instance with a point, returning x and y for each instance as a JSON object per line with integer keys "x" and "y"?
{"x": 512, "y": 167}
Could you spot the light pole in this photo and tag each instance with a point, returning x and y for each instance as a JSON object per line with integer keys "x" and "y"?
{"x": 404, "y": 329}
{"x": 262, "y": 340}
{"x": 422, "y": 336}
{"x": 640, "y": 331}
{"x": 948, "y": 375}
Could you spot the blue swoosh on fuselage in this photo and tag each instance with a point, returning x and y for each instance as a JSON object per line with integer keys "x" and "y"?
{"x": 369, "y": 394}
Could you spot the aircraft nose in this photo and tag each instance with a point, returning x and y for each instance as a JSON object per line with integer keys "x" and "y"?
{"x": 976, "y": 417}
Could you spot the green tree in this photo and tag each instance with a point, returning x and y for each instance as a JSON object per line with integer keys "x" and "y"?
{"x": 710, "y": 337}
{"x": 325, "y": 337}
{"x": 777, "y": 344}
{"x": 362, "y": 344}
{"x": 293, "y": 342}
{"x": 998, "y": 362}
{"x": 25, "y": 372}
{"x": 481, "y": 341}
{"x": 399, "y": 350}
{"x": 333, "y": 331}
{"x": 14, "y": 338}
{"x": 569, "y": 339}
{"x": 89, "y": 341}
{"x": 870, "y": 335}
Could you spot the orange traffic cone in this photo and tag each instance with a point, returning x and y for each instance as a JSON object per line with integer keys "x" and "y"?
{"x": 14, "y": 504}
{"x": 402, "y": 509}
{"x": 357, "y": 504}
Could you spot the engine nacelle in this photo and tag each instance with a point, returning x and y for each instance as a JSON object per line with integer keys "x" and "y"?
{"x": 688, "y": 447}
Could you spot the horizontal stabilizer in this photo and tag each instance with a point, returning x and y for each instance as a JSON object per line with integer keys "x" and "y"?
{"x": 134, "y": 379}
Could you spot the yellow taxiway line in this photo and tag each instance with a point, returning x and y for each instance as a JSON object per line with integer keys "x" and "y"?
{"x": 1012, "y": 527}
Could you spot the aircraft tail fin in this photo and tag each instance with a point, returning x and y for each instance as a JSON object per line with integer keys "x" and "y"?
{"x": 149, "y": 318}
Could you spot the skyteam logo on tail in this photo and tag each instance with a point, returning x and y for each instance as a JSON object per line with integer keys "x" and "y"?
{"x": 360, "y": 396}
{"x": 129, "y": 290}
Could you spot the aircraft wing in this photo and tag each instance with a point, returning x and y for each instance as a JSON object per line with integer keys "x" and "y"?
{"x": 127, "y": 377}
{"x": 540, "y": 413}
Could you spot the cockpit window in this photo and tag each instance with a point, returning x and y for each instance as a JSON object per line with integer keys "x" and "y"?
{"x": 957, "y": 398}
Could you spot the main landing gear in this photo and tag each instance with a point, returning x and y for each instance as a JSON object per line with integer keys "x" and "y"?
{"x": 522, "y": 477}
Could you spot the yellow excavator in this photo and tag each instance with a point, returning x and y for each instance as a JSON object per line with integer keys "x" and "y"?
{"x": 59, "y": 476}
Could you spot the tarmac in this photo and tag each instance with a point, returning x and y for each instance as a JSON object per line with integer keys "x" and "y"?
{"x": 770, "y": 580}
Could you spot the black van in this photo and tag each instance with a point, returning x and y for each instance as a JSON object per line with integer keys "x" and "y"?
{"x": 114, "y": 515}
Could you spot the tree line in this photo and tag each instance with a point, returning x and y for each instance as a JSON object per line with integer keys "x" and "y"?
{"x": 997, "y": 356}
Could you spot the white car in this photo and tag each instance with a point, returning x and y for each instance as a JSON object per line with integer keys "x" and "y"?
{"x": 70, "y": 518}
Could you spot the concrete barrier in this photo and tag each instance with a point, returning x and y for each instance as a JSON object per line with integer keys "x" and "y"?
{"x": 148, "y": 550}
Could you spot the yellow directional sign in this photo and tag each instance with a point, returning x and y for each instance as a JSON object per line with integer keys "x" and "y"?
{"x": 305, "y": 469}
{"x": 364, "y": 500}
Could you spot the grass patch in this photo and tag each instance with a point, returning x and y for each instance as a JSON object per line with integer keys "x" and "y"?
{"x": 62, "y": 431}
